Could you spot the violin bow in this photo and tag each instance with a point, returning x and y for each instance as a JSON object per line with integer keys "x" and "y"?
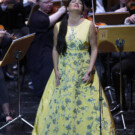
{"x": 61, "y": 2}
{"x": 93, "y": 10}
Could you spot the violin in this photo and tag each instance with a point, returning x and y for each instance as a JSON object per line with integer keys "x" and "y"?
{"x": 131, "y": 5}
{"x": 54, "y": 10}
{"x": 57, "y": 5}
{"x": 8, "y": 34}
{"x": 97, "y": 24}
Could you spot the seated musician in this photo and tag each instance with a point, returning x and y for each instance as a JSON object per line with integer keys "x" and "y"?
{"x": 128, "y": 67}
{"x": 125, "y": 5}
{"x": 100, "y": 6}
{"x": 12, "y": 17}
{"x": 4, "y": 102}
{"x": 122, "y": 6}
{"x": 130, "y": 19}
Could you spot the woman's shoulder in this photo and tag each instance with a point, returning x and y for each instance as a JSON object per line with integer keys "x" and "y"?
{"x": 86, "y": 22}
{"x": 39, "y": 16}
{"x": 39, "y": 13}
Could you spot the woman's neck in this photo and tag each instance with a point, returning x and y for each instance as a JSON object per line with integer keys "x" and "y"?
{"x": 74, "y": 19}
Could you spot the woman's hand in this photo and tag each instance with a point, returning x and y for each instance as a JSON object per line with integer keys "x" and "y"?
{"x": 130, "y": 19}
{"x": 62, "y": 10}
{"x": 86, "y": 77}
{"x": 58, "y": 77}
{"x": 2, "y": 33}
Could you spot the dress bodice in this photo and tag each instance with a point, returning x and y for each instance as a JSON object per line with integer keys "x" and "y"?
{"x": 77, "y": 37}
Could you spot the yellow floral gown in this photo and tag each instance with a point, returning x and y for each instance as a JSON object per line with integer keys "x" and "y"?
{"x": 73, "y": 108}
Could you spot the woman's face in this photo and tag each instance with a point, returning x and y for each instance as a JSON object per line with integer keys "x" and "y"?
{"x": 46, "y": 5}
{"x": 75, "y": 5}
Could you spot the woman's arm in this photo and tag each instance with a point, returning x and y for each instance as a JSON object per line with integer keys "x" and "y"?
{"x": 93, "y": 43}
{"x": 56, "y": 57}
{"x": 54, "y": 17}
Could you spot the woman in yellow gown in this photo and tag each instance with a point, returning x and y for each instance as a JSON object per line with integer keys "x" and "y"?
{"x": 70, "y": 103}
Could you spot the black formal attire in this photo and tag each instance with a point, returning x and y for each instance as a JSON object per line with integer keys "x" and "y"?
{"x": 127, "y": 68}
{"x": 105, "y": 4}
{"x": 13, "y": 18}
{"x": 39, "y": 55}
{"x": 3, "y": 90}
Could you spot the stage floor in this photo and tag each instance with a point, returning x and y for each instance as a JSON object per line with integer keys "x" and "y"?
{"x": 29, "y": 105}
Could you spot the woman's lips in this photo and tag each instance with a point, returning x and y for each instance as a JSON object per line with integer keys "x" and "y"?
{"x": 76, "y": 6}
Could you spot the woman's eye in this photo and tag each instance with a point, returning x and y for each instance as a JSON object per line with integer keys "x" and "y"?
{"x": 73, "y": 1}
{"x": 80, "y": 2}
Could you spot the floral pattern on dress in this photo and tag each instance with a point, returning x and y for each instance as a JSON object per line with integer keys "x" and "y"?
{"x": 73, "y": 107}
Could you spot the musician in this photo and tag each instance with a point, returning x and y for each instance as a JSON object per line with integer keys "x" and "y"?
{"x": 39, "y": 55}
{"x": 130, "y": 20}
{"x": 122, "y": 6}
{"x": 4, "y": 102}
{"x": 100, "y": 6}
{"x": 12, "y": 17}
{"x": 127, "y": 65}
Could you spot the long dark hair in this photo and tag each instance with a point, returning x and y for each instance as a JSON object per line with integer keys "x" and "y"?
{"x": 61, "y": 41}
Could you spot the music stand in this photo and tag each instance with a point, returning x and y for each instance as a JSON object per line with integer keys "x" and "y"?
{"x": 111, "y": 18}
{"x": 114, "y": 38}
{"x": 15, "y": 53}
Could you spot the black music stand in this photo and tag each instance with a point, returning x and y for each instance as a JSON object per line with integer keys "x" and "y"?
{"x": 110, "y": 18}
{"x": 15, "y": 53}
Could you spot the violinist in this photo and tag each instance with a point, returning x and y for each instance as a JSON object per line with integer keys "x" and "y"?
{"x": 6, "y": 115}
{"x": 39, "y": 55}
{"x": 4, "y": 13}
{"x": 13, "y": 16}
